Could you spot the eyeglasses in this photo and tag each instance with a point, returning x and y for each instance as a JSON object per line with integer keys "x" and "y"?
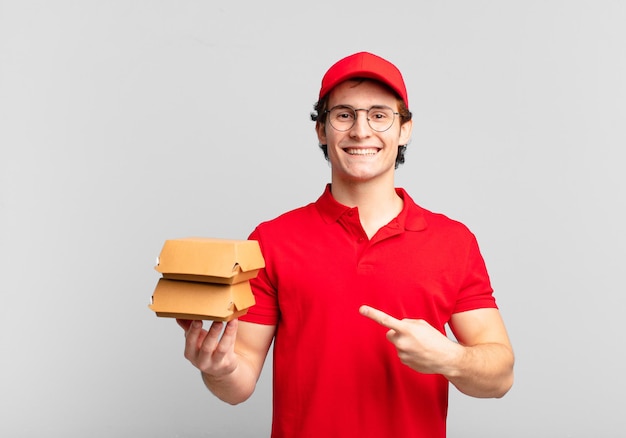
{"x": 379, "y": 117}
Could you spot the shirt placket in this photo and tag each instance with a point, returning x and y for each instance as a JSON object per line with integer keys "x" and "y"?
{"x": 352, "y": 224}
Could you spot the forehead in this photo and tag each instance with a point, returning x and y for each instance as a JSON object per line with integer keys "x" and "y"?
{"x": 362, "y": 94}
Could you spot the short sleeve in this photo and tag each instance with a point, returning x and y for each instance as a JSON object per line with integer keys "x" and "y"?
{"x": 265, "y": 310}
{"x": 475, "y": 291}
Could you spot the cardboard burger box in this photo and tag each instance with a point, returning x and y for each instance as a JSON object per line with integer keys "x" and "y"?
{"x": 206, "y": 278}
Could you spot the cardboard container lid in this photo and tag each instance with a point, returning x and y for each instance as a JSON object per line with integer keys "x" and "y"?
{"x": 191, "y": 300}
{"x": 210, "y": 257}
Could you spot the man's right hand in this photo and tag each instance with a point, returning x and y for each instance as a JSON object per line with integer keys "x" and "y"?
{"x": 212, "y": 351}
{"x": 229, "y": 370}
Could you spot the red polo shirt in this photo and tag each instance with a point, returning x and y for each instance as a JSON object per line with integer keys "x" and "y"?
{"x": 335, "y": 373}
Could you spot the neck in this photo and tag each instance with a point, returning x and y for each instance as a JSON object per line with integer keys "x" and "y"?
{"x": 378, "y": 203}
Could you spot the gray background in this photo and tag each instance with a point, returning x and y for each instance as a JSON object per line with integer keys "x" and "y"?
{"x": 125, "y": 123}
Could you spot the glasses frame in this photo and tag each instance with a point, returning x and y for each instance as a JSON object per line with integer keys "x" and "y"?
{"x": 356, "y": 113}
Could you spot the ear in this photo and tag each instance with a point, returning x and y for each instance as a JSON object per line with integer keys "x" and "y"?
{"x": 405, "y": 132}
{"x": 320, "y": 128}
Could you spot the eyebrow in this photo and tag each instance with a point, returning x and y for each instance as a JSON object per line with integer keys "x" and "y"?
{"x": 343, "y": 105}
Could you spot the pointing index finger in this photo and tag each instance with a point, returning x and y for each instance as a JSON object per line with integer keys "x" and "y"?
{"x": 380, "y": 317}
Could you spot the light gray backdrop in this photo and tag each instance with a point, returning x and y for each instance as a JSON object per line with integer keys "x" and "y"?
{"x": 125, "y": 123}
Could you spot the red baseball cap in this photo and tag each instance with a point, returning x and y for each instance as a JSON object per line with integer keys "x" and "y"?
{"x": 364, "y": 65}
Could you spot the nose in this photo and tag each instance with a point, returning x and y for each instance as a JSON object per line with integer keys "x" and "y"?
{"x": 361, "y": 127}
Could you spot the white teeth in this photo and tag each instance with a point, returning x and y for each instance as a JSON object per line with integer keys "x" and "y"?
{"x": 360, "y": 151}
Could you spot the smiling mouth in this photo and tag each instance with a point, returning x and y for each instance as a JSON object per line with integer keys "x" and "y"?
{"x": 361, "y": 151}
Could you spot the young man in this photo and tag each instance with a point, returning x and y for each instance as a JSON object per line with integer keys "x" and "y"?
{"x": 358, "y": 287}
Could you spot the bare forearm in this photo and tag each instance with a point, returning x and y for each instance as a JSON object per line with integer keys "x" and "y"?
{"x": 484, "y": 370}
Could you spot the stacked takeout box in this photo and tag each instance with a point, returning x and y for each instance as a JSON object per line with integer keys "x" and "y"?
{"x": 206, "y": 278}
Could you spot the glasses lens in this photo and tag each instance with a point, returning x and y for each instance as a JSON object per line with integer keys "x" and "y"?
{"x": 379, "y": 118}
{"x": 342, "y": 117}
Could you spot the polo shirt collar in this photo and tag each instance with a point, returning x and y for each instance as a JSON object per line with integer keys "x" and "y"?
{"x": 411, "y": 218}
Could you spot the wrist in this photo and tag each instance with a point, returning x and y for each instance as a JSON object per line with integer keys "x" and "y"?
{"x": 217, "y": 378}
{"x": 453, "y": 366}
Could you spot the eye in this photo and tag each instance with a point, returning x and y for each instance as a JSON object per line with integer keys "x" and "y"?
{"x": 343, "y": 114}
{"x": 379, "y": 114}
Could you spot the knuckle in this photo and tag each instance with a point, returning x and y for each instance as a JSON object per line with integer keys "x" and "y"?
{"x": 189, "y": 355}
{"x": 220, "y": 351}
{"x": 206, "y": 349}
